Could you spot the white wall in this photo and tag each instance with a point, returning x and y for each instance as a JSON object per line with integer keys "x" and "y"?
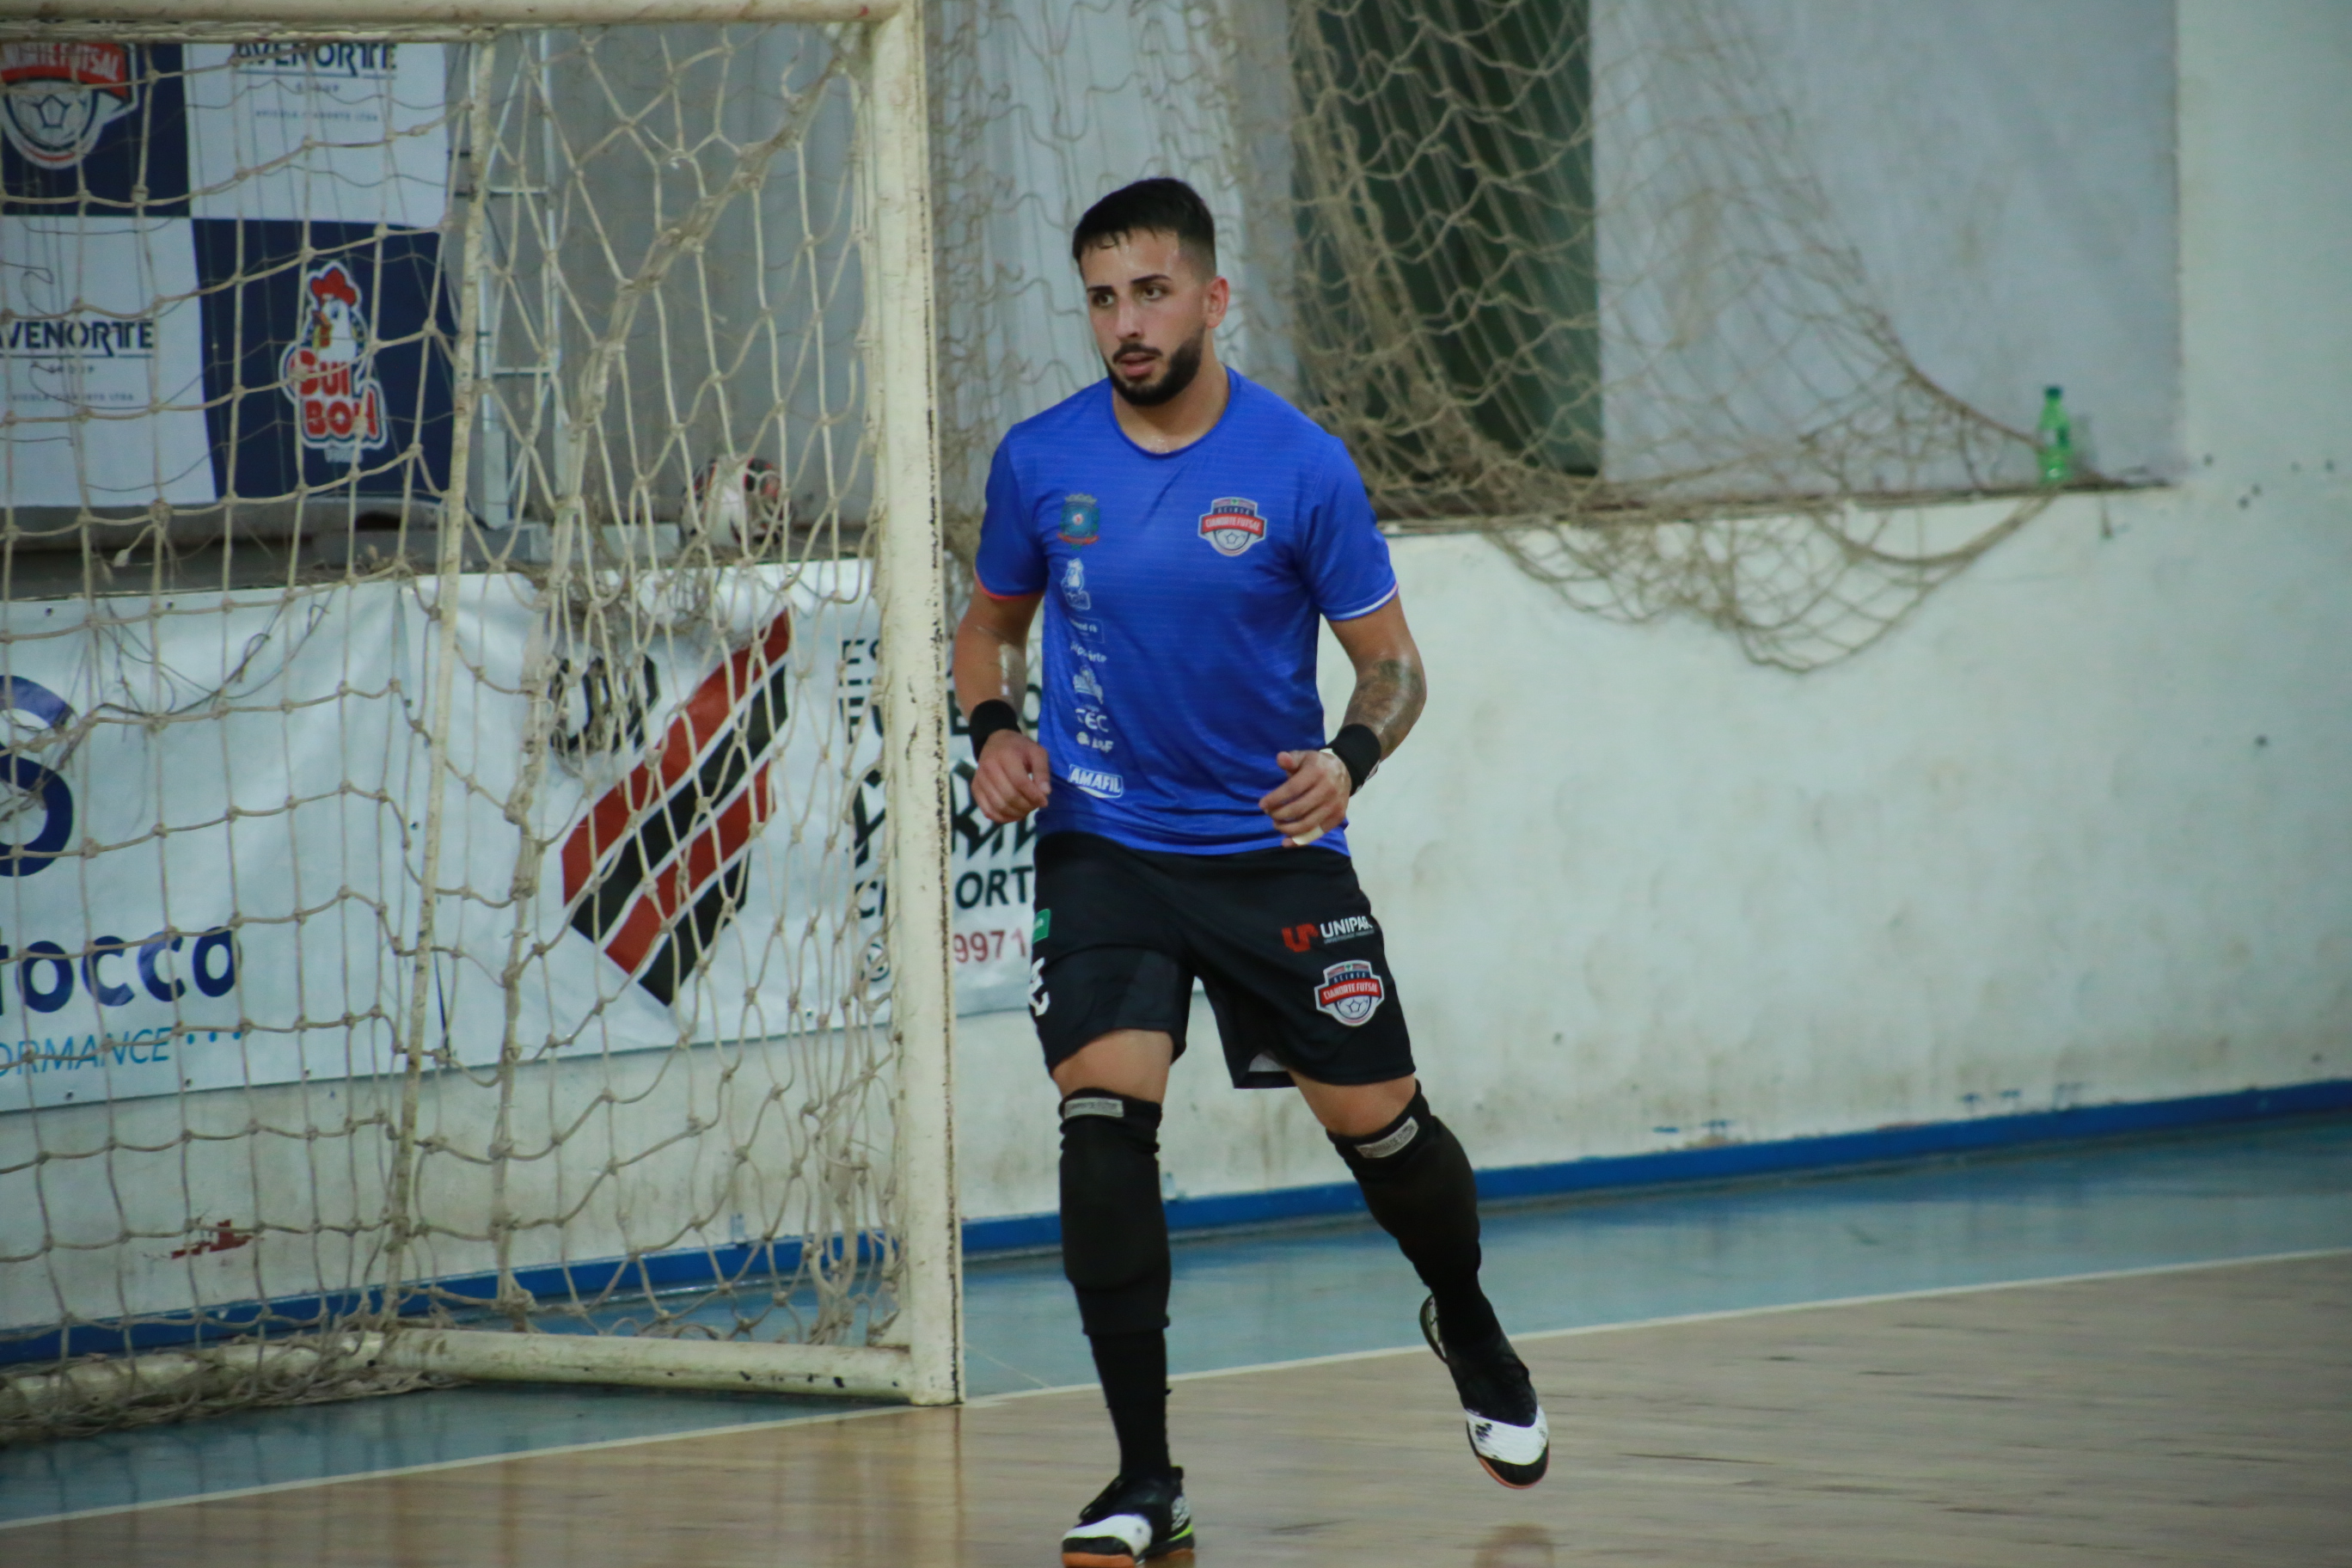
{"x": 2081, "y": 832}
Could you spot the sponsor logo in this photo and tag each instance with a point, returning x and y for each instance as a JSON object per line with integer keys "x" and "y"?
{"x": 1100, "y": 785}
{"x": 57, "y": 100}
{"x": 1231, "y": 524}
{"x": 1081, "y": 520}
{"x": 1346, "y": 928}
{"x": 56, "y": 337}
{"x": 1042, "y": 927}
{"x": 309, "y": 58}
{"x": 1085, "y": 685}
{"x": 1351, "y": 992}
{"x": 1095, "y": 656}
{"x": 656, "y": 869}
{"x": 1074, "y": 586}
{"x": 1040, "y": 999}
{"x": 329, "y": 371}
{"x": 35, "y": 788}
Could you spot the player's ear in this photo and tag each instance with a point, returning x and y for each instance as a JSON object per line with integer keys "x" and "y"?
{"x": 1220, "y": 295}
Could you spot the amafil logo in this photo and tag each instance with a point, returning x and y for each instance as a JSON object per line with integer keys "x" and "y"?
{"x": 329, "y": 371}
{"x": 57, "y": 99}
{"x": 656, "y": 869}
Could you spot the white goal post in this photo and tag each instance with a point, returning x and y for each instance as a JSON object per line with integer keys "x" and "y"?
{"x": 827, "y": 1090}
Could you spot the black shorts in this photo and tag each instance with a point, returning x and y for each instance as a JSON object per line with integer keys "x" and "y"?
{"x": 1283, "y": 940}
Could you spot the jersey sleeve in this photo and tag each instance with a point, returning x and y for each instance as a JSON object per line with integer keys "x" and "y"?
{"x": 1346, "y": 564}
{"x": 1009, "y": 564}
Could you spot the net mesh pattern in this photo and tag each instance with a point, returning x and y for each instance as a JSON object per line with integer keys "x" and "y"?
{"x": 502, "y": 912}
{"x": 1555, "y": 272}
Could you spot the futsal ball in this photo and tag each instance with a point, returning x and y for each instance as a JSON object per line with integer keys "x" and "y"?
{"x": 739, "y": 502}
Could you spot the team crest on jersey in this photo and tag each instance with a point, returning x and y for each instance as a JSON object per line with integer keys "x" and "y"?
{"x": 1231, "y": 524}
{"x": 1351, "y": 992}
{"x": 329, "y": 371}
{"x": 57, "y": 99}
{"x": 1081, "y": 520}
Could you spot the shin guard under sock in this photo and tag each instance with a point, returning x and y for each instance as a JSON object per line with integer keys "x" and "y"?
{"x": 1114, "y": 1254}
{"x": 1134, "y": 1372}
{"x": 1418, "y": 1184}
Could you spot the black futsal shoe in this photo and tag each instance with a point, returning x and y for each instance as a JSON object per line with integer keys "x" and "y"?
{"x": 1136, "y": 1519}
{"x": 1508, "y": 1430}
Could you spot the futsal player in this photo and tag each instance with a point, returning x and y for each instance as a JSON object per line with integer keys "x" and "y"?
{"x": 1185, "y": 530}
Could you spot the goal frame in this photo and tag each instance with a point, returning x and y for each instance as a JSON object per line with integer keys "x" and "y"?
{"x": 927, "y": 1366}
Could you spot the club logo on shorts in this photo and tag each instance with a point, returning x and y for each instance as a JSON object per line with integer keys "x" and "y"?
{"x": 1042, "y": 927}
{"x": 1231, "y": 524}
{"x": 1081, "y": 520}
{"x": 1351, "y": 992}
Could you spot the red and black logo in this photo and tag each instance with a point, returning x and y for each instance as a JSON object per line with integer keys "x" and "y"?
{"x": 656, "y": 869}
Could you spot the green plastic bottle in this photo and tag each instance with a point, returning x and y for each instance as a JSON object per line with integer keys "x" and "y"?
{"x": 2053, "y": 440}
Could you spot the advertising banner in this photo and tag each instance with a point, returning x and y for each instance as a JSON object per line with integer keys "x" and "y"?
{"x": 220, "y": 272}
{"x": 101, "y": 364}
{"x": 319, "y": 131}
{"x": 211, "y": 872}
{"x": 92, "y": 128}
{"x": 322, "y": 358}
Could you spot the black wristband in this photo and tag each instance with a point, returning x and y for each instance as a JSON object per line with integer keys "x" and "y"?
{"x": 1358, "y": 751}
{"x": 987, "y": 718}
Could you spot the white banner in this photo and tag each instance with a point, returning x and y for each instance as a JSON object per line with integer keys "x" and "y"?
{"x": 319, "y": 131}
{"x": 101, "y": 364}
{"x": 209, "y": 873}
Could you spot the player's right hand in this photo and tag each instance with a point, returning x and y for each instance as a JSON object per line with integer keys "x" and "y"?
{"x": 1013, "y": 777}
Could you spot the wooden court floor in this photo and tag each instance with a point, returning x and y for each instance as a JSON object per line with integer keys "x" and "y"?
{"x": 2200, "y": 1415}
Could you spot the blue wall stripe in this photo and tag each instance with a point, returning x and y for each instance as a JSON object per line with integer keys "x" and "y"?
{"x": 1726, "y": 1161}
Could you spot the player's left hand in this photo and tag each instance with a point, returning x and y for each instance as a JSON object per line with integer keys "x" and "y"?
{"x": 1312, "y": 801}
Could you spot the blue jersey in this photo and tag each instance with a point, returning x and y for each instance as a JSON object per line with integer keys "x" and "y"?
{"x": 1183, "y": 593}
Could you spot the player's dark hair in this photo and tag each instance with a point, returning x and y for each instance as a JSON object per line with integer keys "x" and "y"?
{"x": 1158, "y": 206}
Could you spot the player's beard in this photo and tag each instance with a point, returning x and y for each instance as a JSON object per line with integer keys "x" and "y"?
{"x": 1173, "y": 378}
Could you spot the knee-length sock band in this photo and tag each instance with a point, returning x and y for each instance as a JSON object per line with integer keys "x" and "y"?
{"x": 1418, "y": 1183}
{"x": 1115, "y": 1253}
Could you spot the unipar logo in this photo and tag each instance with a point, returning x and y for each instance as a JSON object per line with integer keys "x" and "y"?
{"x": 1346, "y": 928}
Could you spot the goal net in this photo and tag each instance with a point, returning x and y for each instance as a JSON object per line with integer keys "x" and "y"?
{"x": 1557, "y": 271}
{"x": 473, "y": 849}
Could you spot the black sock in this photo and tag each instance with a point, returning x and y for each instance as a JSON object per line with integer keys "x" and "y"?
{"x": 1134, "y": 1372}
{"x": 1418, "y": 1184}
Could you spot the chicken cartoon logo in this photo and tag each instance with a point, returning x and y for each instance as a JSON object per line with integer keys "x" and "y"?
{"x": 329, "y": 373}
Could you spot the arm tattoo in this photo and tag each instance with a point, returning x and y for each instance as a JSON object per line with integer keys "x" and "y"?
{"x": 1388, "y": 698}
